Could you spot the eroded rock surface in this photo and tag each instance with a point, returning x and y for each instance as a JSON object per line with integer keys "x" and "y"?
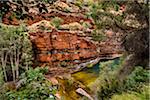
{"x": 61, "y": 36}
{"x": 61, "y": 48}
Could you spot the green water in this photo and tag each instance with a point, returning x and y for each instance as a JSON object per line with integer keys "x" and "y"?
{"x": 81, "y": 79}
{"x": 87, "y": 75}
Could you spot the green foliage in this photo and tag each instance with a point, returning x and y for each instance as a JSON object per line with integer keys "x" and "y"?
{"x": 143, "y": 95}
{"x": 17, "y": 36}
{"x": 2, "y": 77}
{"x": 67, "y": 10}
{"x": 79, "y": 3}
{"x": 111, "y": 86}
{"x": 98, "y": 35}
{"x": 34, "y": 86}
{"x": 34, "y": 74}
{"x": 56, "y": 22}
{"x": 105, "y": 14}
{"x": 108, "y": 86}
{"x": 10, "y": 34}
{"x": 136, "y": 79}
{"x": 106, "y": 80}
{"x": 86, "y": 25}
{"x": 16, "y": 46}
{"x": 107, "y": 83}
{"x": 48, "y": 1}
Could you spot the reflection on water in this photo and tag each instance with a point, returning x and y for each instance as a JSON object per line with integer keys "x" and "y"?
{"x": 87, "y": 75}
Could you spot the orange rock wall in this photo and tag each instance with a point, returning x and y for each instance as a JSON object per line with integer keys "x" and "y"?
{"x": 54, "y": 47}
{"x": 63, "y": 47}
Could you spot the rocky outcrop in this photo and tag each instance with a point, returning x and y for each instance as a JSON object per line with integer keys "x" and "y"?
{"x": 61, "y": 36}
{"x": 61, "y": 48}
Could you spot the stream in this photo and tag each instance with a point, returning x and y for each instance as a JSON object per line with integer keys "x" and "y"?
{"x": 81, "y": 79}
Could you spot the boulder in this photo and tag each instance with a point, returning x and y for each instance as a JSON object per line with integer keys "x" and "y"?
{"x": 84, "y": 93}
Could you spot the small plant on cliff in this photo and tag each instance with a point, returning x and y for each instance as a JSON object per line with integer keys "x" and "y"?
{"x": 56, "y": 22}
{"x": 98, "y": 35}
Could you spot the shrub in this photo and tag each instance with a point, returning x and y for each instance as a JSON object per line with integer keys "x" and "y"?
{"x": 112, "y": 86}
{"x": 106, "y": 79}
{"x": 136, "y": 79}
{"x": 107, "y": 86}
{"x": 33, "y": 86}
{"x": 143, "y": 95}
{"x": 107, "y": 83}
{"x": 56, "y": 22}
{"x": 98, "y": 35}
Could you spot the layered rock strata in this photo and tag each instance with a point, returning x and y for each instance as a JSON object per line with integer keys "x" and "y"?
{"x": 61, "y": 37}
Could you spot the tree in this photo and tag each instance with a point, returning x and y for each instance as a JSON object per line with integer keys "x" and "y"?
{"x": 131, "y": 19}
{"x": 15, "y": 50}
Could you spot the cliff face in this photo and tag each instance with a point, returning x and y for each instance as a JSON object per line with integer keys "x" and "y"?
{"x": 61, "y": 48}
{"x": 61, "y": 36}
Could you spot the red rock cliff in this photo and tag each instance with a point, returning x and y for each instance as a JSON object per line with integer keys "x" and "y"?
{"x": 69, "y": 43}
